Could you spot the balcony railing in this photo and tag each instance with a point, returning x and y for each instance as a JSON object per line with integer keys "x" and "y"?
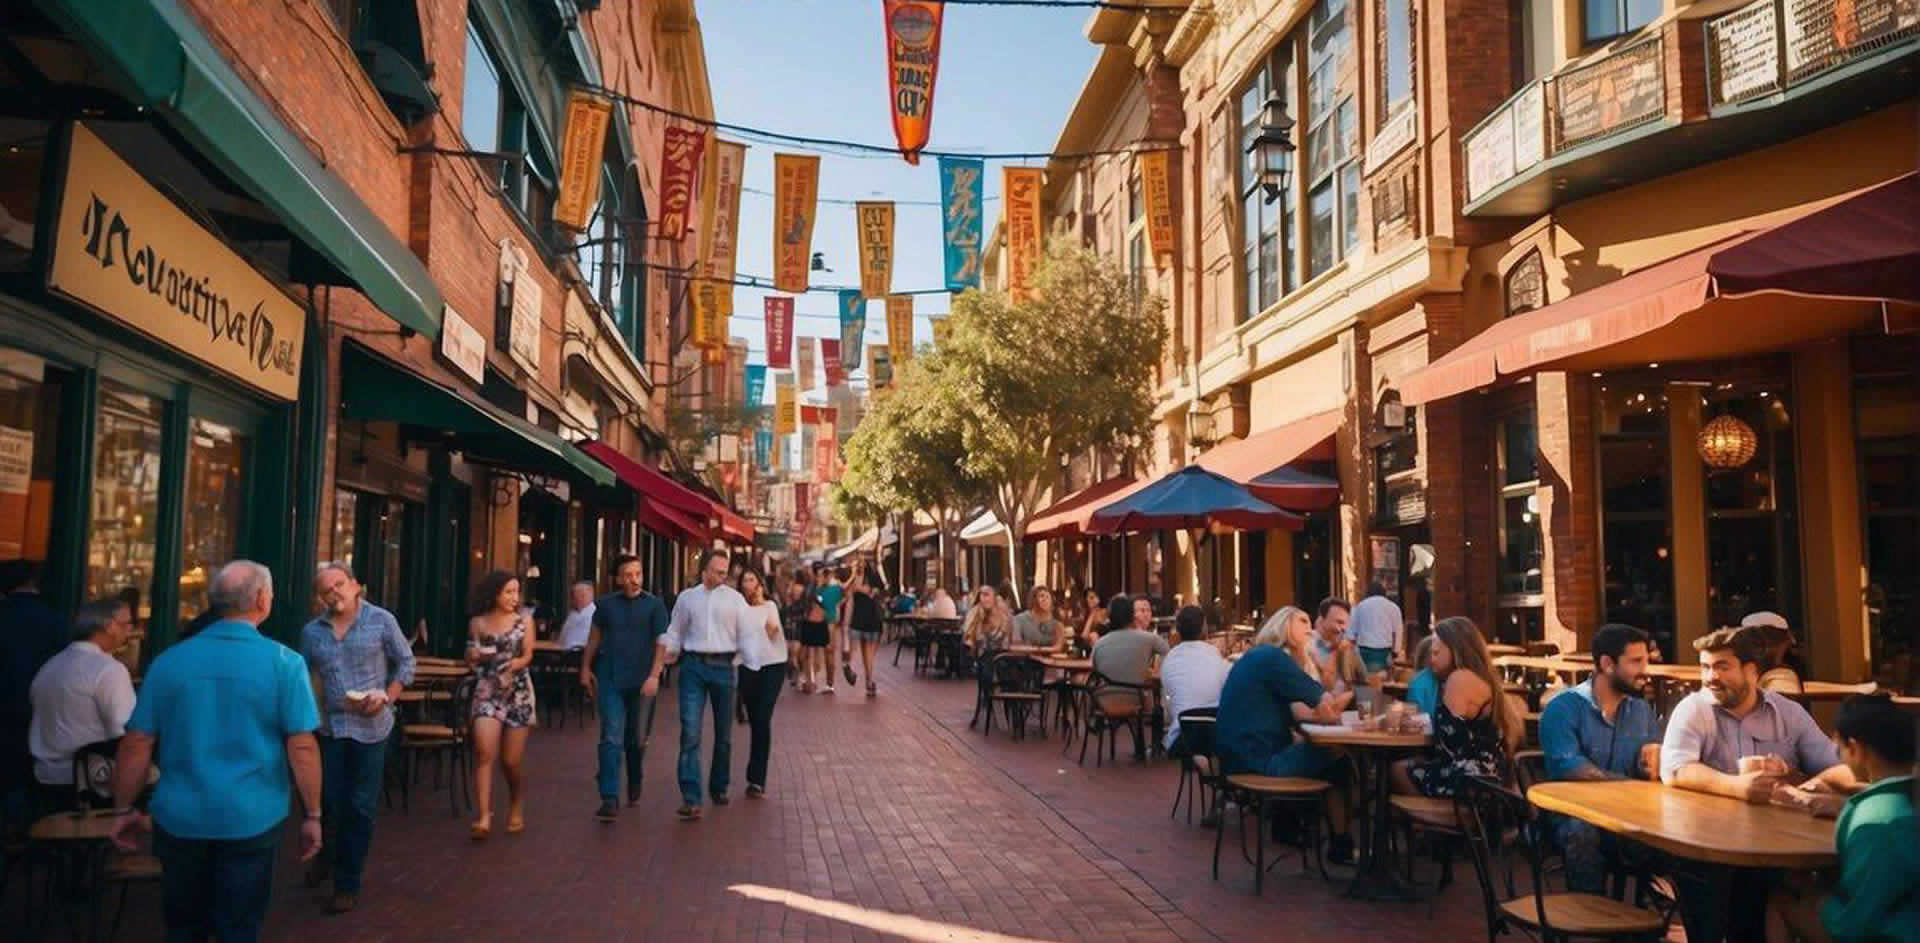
{"x": 1745, "y": 48}
{"x": 1565, "y": 110}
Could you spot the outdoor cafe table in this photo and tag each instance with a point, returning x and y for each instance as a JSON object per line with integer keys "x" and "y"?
{"x": 1695, "y": 825}
{"x": 1375, "y": 879}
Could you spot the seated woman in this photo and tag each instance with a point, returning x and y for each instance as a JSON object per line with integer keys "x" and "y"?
{"x": 1476, "y": 726}
{"x": 1097, "y": 620}
{"x": 1424, "y": 689}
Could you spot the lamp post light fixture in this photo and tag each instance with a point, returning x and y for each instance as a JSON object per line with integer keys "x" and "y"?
{"x": 1200, "y": 427}
{"x": 1272, "y": 148}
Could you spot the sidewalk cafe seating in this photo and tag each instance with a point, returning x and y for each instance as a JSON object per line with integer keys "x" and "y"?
{"x": 1015, "y": 688}
{"x": 445, "y": 738}
{"x": 1109, "y": 706}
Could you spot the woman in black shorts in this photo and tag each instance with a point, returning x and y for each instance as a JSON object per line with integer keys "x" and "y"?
{"x": 864, "y": 618}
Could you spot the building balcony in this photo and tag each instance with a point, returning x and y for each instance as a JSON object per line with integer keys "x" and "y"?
{"x": 1688, "y": 92}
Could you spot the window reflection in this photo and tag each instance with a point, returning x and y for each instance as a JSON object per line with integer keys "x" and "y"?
{"x": 29, "y": 420}
{"x": 216, "y": 457}
{"x": 126, "y": 498}
{"x": 1635, "y": 469}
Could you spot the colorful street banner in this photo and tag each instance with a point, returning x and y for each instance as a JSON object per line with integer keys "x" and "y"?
{"x": 720, "y": 215}
{"x": 962, "y": 191}
{"x": 582, "y": 154}
{"x": 756, "y": 384}
{"x": 763, "y": 449}
{"x": 796, "y": 188}
{"x": 810, "y": 414}
{"x": 826, "y": 456}
{"x": 876, "y": 248}
{"x": 900, "y": 326}
{"x": 830, "y": 361}
{"x": 853, "y": 328}
{"x": 1158, "y": 187}
{"x": 1021, "y": 189}
{"x": 913, "y": 59}
{"x": 941, "y": 329}
{"x": 709, "y": 316}
{"x": 681, "y": 150}
{"x": 804, "y": 370}
{"x": 779, "y": 323}
{"x": 802, "y": 505}
{"x": 783, "y": 403}
{"x": 807, "y": 436}
{"x": 879, "y": 367}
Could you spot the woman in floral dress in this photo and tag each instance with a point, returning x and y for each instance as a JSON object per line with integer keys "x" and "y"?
{"x": 1476, "y": 726}
{"x": 499, "y": 649}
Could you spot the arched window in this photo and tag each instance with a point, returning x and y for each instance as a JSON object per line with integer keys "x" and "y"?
{"x": 1526, "y": 284}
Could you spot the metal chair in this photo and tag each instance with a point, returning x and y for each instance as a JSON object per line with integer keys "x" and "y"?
{"x": 1109, "y": 706}
{"x": 1259, "y": 793}
{"x": 446, "y": 741}
{"x": 1016, "y": 687}
{"x": 1199, "y": 771}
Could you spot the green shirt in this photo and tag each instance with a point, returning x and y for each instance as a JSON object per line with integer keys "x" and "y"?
{"x": 1878, "y": 895}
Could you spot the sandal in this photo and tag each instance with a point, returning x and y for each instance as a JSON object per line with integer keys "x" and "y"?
{"x": 689, "y": 813}
{"x": 872, "y": 690}
{"x": 479, "y": 831}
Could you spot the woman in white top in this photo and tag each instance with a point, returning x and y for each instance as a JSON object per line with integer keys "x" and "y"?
{"x": 763, "y": 667}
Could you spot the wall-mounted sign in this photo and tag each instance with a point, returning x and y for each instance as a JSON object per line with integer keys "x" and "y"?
{"x": 124, "y": 249}
{"x": 582, "y": 153}
{"x": 521, "y": 294}
{"x": 462, "y": 345}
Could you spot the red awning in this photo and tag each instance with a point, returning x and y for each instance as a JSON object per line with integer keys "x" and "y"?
{"x": 1068, "y": 516}
{"x": 664, "y": 520}
{"x": 1816, "y": 276}
{"x": 650, "y": 482}
{"x": 1259, "y": 463}
{"x": 732, "y": 525}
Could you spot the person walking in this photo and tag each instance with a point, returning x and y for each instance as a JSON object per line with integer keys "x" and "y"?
{"x": 1376, "y": 628}
{"x": 815, "y": 636}
{"x": 832, "y": 593}
{"x": 617, "y": 671}
{"x": 230, "y": 716}
{"x": 499, "y": 649}
{"x": 763, "y": 666}
{"x": 865, "y": 621}
{"x": 704, "y": 635}
{"x": 360, "y": 662}
{"x": 790, "y": 591}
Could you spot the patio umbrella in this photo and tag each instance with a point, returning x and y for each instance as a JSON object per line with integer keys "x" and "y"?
{"x": 1191, "y": 498}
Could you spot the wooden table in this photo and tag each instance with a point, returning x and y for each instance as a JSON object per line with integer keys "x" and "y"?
{"x": 1376, "y": 878}
{"x": 95, "y": 825}
{"x": 1827, "y": 690}
{"x": 441, "y": 671}
{"x": 1065, "y": 664}
{"x": 1695, "y": 825}
{"x": 1496, "y": 649}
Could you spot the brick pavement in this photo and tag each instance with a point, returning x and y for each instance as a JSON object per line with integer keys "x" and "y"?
{"x": 879, "y": 810}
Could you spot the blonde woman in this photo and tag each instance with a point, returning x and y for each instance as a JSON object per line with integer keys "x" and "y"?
{"x": 989, "y": 626}
{"x": 1476, "y": 726}
{"x": 1292, "y": 629}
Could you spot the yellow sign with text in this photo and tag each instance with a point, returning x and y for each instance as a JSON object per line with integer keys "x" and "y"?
{"x": 582, "y": 154}
{"x": 796, "y": 188}
{"x": 1021, "y": 186}
{"x": 876, "y": 248}
{"x": 900, "y": 327}
{"x": 1154, "y": 180}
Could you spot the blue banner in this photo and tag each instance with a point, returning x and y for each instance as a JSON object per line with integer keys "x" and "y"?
{"x": 763, "y": 449}
{"x": 853, "y": 328}
{"x": 962, "y": 191}
{"x": 756, "y": 384}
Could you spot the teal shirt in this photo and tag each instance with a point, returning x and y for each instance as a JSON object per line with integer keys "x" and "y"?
{"x": 1878, "y": 895}
{"x": 830, "y": 596}
{"x": 220, "y": 707}
{"x": 1424, "y": 690}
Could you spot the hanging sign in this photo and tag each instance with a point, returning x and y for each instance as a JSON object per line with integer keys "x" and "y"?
{"x": 582, "y": 154}
{"x": 807, "y": 436}
{"x": 709, "y": 317}
{"x": 763, "y": 449}
{"x": 913, "y": 58}
{"x": 1021, "y": 189}
{"x": 827, "y": 450}
{"x": 783, "y": 403}
{"x": 879, "y": 367}
{"x": 853, "y": 328}
{"x": 876, "y": 247}
{"x": 810, "y": 414}
{"x": 804, "y": 370}
{"x": 720, "y": 216}
{"x": 900, "y": 326}
{"x": 941, "y": 329}
{"x": 796, "y": 187}
{"x": 802, "y": 504}
{"x": 962, "y": 191}
{"x": 462, "y": 345}
{"x": 779, "y": 322}
{"x": 756, "y": 384}
{"x": 680, "y": 152}
{"x": 1154, "y": 180}
{"x": 830, "y": 360}
{"x": 520, "y": 295}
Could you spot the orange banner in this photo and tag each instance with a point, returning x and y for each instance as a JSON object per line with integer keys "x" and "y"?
{"x": 900, "y": 327}
{"x": 680, "y": 152}
{"x": 720, "y": 215}
{"x": 1021, "y": 189}
{"x": 582, "y": 154}
{"x": 913, "y": 59}
{"x": 796, "y": 188}
{"x": 1158, "y": 187}
{"x": 709, "y": 315}
{"x": 876, "y": 248}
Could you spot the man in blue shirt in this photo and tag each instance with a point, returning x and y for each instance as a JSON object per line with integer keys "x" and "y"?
{"x": 1266, "y": 697}
{"x": 1600, "y": 729}
{"x": 227, "y": 712}
{"x": 617, "y": 671}
{"x": 360, "y": 662}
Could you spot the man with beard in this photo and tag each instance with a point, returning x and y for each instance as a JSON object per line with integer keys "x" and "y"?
{"x": 1734, "y": 739}
{"x": 1600, "y": 729}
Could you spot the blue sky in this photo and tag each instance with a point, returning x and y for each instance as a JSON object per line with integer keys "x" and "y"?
{"x": 1008, "y": 76}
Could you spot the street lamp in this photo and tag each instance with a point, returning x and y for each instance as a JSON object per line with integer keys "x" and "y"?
{"x": 1272, "y": 148}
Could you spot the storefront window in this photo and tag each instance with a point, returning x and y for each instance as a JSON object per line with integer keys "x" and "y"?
{"x": 126, "y": 498}
{"x": 344, "y": 506}
{"x": 1521, "y": 550}
{"x": 1637, "y": 525}
{"x": 29, "y": 424}
{"x": 216, "y": 496}
{"x": 1752, "y": 531}
{"x": 1887, "y": 420}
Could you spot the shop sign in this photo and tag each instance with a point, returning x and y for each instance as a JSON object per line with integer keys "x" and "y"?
{"x": 680, "y": 152}
{"x": 581, "y": 157}
{"x": 16, "y": 460}
{"x": 1021, "y": 185}
{"x": 523, "y": 295}
{"x": 900, "y": 326}
{"x": 1617, "y": 92}
{"x": 796, "y": 188}
{"x": 962, "y": 188}
{"x": 876, "y": 247}
{"x": 913, "y": 59}
{"x": 124, "y": 249}
{"x": 719, "y": 243}
{"x": 1158, "y": 190}
{"x": 462, "y": 345}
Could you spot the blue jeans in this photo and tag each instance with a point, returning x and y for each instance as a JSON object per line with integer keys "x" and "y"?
{"x": 1307, "y": 760}
{"x": 699, "y": 683}
{"x": 619, "y": 736}
{"x": 351, "y": 774}
{"x": 215, "y": 888}
{"x": 1376, "y": 659}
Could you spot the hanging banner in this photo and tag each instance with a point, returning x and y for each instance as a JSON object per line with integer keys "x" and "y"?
{"x": 720, "y": 215}
{"x": 962, "y": 191}
{"x": 913, "y": 59}
{"x": 1021, "y": 189}
{"x": 709, "y": 317}
{"x": 779, "y": 322}
{"x": 680, "y": 152}
{"x": 804, "y": 370}
{"x": 582, "y": 154}
{"x": 900, "y": 326}
{"x": 1158, "y": 187}
{"x": 940, "y": 329}
{"x": 853, "y": 328}
{"x": 830, "y": 361}
{"x": 796, "y": 188}
{"x": 875, "y": 224}
{"x": 756, "y": 384}
{"x": 827, "y": 454}
{"x": 879, "y": 367}
{"x": 802, "y": 505}
{"x": 826, "y": 419}
{"x": 783, "y": 403}
{"x": 806, "y": 461}
{"x": 763, "y": 449}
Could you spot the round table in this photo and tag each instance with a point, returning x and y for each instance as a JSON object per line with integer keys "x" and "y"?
{"x": 1695, "y": 825}
{"x": 1375, "y": 879}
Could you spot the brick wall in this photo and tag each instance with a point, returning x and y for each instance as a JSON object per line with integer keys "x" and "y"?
{"x": 1569, "y": 517}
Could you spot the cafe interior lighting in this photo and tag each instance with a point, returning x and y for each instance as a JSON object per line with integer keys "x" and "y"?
{"x": 1727, "y": 442}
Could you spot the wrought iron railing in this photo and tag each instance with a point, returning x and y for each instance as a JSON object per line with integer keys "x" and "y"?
{"x": 1746, "y": 47}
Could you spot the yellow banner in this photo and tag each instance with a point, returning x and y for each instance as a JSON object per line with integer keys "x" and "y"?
{"x": 876, "y": 248}
{"x": 709, "y": 315}
{"x": 582, "y": 154}
{"x": 1021, "y": 187}
{"x": 796, "y": 188}
{"x": 783, "y": 404}
{"x": 1154, "y": 180}
{"x": 900, "y": 326}
{"x": 720, "y": 232}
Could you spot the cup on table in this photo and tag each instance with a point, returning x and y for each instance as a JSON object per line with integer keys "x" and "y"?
{"x": 1767, "y": 764}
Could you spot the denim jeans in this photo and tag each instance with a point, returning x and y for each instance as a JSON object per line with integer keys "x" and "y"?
{"x": 216, "y": 888}
{"x": 350, "y": 775}
{"x": 1705, "y": 892}
{"x": 760, "y": 690}
{"x": 699, "y": 683}
{"x": 620, "y": 733}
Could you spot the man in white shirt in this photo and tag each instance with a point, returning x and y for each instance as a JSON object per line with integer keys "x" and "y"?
{"x": 704, "y": 635}
{"x": 1376, "y": 628}
{"x": 1193, "y": 673}
{"x": 579, "y": 622}
{"x": 82, "y": 695}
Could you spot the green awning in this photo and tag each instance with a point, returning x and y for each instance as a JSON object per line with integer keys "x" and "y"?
{"x": 164, "y": 61}
{"x": 374, "y": 389}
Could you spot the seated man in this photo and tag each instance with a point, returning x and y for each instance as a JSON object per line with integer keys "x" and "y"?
{"x": 1336, "y": 655}
{"x": 1732, "y": 738}
{"x": 1126, "y": 652}
{"x": 1597, "y": 730}
{"x": 1266, "y": 696}
{"x": 578, "y": 626}
{"x": 1876, "y": 894}
{"x": 1192, "y": 674}
{"x": 81, "y": 696}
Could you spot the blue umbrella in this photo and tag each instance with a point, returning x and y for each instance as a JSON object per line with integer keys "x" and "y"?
{"x": 1191, "y": 498}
